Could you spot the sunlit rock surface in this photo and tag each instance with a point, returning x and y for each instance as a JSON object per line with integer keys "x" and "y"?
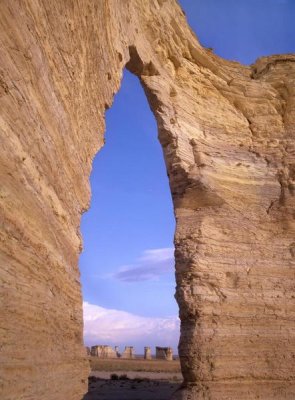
{"x": 227, "y": 133}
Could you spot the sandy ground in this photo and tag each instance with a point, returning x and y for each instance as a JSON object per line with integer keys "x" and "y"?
{"x": 142, "y": 379}
{"x": 133, "y": 389}
{"x": 167, "y": 376}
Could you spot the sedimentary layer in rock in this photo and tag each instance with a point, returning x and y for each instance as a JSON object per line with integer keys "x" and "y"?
{"x": 227, "y": 133}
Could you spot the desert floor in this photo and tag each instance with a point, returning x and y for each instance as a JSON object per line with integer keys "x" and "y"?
{"x": 133, "y": 379}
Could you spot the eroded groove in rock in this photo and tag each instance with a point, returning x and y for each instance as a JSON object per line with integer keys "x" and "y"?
{"x": 227, "y": 133}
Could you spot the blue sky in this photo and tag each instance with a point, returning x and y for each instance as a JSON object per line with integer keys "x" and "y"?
{"x": 243, "y": 30}
{"x": 127, "y": 266}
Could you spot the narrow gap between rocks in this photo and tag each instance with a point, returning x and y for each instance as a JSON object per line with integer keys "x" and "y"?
{"x": 127, "y": 265}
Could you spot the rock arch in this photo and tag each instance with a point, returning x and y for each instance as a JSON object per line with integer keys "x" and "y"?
{"x": 227, "y": 133}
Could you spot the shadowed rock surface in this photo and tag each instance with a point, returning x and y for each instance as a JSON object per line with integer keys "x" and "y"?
{"x": 130, "y": 389}
{"x": 227, "y": 133}
{"x": 103, "y": 351}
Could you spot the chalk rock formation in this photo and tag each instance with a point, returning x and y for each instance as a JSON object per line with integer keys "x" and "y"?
{"x": 164, "y": 353}
{"x": 147, "y": 353}
{"x": 128, "y": 353}
{"x": 227, "y": 133}
{"x": 88, "y": 351}
{"x": 103, "y": 351}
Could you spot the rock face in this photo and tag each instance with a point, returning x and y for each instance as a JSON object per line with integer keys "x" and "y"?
{"x": 227, "y": 133}
{"x": 103, "y": 351}
{"x": 147, "y": 353}
{"x": 164, "y": 353}
{"x": 128, "y": 353}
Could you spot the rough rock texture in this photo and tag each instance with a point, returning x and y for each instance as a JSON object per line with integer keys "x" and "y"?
{"x": 227, "y": 133}
{"x": 147, "y": 353}
{"x": 103, "y": 351}
{"x": 128, "y": 352}
{"x": 164, "y": 353}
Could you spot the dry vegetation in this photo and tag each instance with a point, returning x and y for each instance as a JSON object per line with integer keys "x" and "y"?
{"x": 140, "y": 365}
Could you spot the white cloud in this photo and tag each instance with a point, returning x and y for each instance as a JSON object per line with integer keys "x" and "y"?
{"x": 115, "y": 327}
{"x": 149, "y": 266}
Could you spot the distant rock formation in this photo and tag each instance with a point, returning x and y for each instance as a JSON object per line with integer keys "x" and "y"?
{"x": 103, "y": 352}
{"x": 227, "y": 132}
{"x": 164, "y": 353}
{"x": 128, "y": 353}
{"x": 88, "y": 351}
{"x": 117, "y": 351}
{"x": 147, "y": 353}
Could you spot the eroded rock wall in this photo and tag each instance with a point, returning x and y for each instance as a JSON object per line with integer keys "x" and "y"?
{"x": 227, "y": 133}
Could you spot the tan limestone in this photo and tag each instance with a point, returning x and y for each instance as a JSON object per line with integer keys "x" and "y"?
{"x": 164, "y": 353}
{"x": 128, "y": 353}
{"x": 147, "y": 353}
{"x": 103, "y": 351}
